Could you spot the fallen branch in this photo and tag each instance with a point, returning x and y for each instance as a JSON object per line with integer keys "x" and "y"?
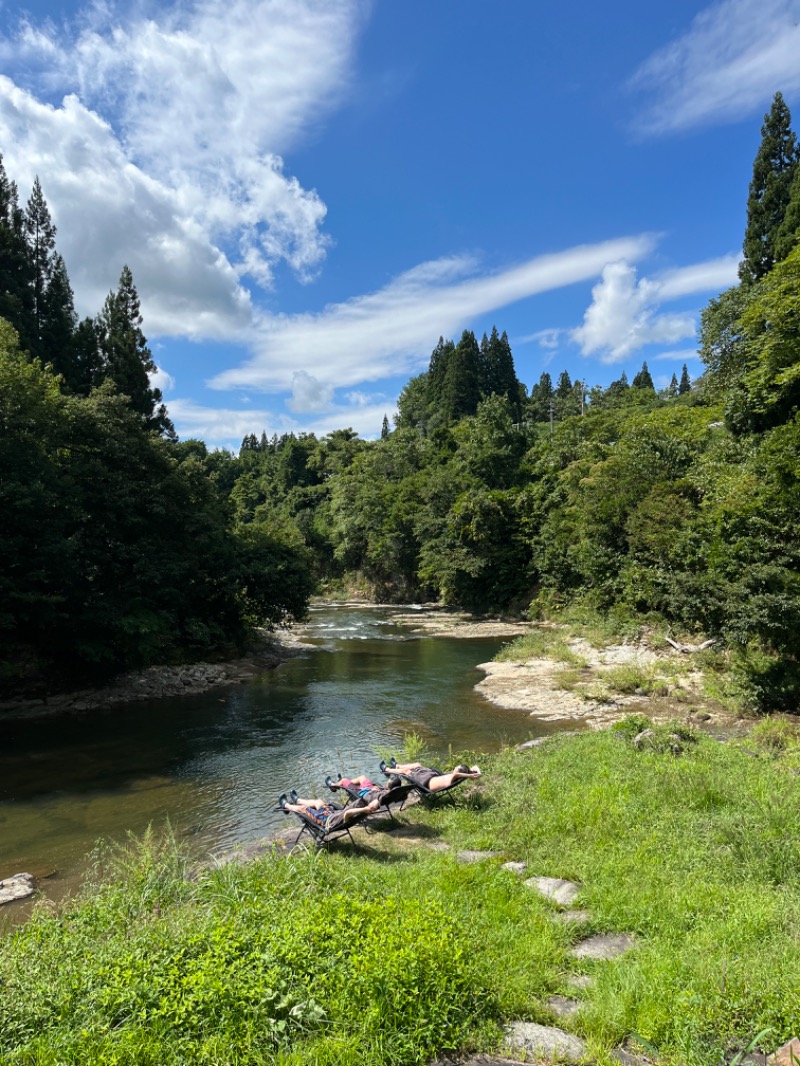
{"x": 689, "y": 648}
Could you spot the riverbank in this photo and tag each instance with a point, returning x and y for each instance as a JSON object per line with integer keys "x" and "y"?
{"x": 268, "y": 650}
{"x": 560, "y": 673}
{"x": 691, "y": 861}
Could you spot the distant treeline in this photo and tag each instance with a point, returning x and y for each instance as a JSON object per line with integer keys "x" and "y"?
{"x": 120, "y": 545}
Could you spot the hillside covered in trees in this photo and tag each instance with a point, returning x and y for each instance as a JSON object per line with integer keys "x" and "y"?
{"x": 122, "y": 546}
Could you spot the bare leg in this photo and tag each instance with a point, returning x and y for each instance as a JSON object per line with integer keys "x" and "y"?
{"x": 436, "y": 784}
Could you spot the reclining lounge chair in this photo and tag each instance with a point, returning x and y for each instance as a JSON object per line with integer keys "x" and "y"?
{"x": 388, "y": 796}
{"x": 333, "y": 827}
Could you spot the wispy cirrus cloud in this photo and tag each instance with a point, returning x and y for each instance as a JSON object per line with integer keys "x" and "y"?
{"x": 727, "y": 65}
{"x": 159, "y": 142}
{"x": 390, "y": 331}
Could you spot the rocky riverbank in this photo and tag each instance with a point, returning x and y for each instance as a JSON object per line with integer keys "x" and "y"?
{"x": 269, "y": 650}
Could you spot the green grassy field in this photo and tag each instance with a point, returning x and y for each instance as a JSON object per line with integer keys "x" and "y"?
{"x": 394, "y": 952}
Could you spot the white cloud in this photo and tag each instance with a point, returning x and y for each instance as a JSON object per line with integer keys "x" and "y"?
{"x": 222, "y": 427}
{"x": 549, "y": 339}
{"x": 727, "y": 65}
{"x": 391, "y": 331}
{"x": 162, "y": 380}
{"x": 308, "y": 394}
{"x": 713, "y": 275}
{"x": 681, "y": 356}
{"x": 165, "y": 152}
{"x": 621, "y": 317}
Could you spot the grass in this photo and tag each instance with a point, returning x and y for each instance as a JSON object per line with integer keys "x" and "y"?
{"x": 390, "y": 955}
{"x": 541, "y": 643}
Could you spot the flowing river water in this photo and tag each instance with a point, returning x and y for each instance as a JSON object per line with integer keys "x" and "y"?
{"x": 214, "y": 764}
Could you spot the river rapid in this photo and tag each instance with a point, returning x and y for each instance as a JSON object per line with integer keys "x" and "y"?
{"x": 214, "y": 764}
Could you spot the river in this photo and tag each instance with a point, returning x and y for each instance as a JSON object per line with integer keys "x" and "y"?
{"x": 214, "y": 764}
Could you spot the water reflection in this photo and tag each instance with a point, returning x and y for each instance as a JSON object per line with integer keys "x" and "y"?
{"x": 214, "y": 764}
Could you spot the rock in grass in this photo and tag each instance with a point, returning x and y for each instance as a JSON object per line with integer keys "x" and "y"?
{"x": 563, "y": 1006}
{"x": 555, "y": 888}
{"x": 17, "y": 887}
{"x": 603, "y": 946}
{"x": 515, "y": 867}
{"x": 466, "y": 857}
{"x": 578, "y": 917}
{"x": 545, "y": 1042}
{"x": 787, "y": 1055}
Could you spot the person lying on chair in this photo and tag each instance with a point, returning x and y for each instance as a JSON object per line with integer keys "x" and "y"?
{"x": 428, "y": 778}
{"x": 325, "y": 814}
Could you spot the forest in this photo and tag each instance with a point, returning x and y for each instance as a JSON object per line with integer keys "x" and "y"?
{"x": 121, "y": 546}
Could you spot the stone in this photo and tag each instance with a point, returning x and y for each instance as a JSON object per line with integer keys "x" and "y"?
{"x": 603, "y": 946}
{"x": 20, "y": 886}
{"x": 555, "y": 888}
{"x": 545, "y": 1042}
{"x": 575, "y": 916}
{"x": 629, "y": 1058}
{"x": 563, "y": 1006}
{"x": 641, "y": 738}
{"x": 788, "y": 1055}
{"x": 701, "y": 716}
{"x": 531, "y": 744}
{"x": 518, "y": 868}
{"x": 467, "y": 857}
{"x": 580, "y": 980}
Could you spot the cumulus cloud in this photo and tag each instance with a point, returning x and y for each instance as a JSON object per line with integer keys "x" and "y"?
{"x": 160, "y": 379}
{"x": 621, "y": 319}
{"x": 727, "y": 65}
{"x": 308, "y": 394}
{"x": 391, "y": 331}
{"x": 165, "y": 150}
{"x": 623, "y": 315}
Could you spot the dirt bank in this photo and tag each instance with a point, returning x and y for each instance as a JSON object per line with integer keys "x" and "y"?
{"x": 157, "y": 682}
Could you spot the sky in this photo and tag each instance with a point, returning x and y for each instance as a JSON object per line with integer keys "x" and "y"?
{"x": 311, "y": 192}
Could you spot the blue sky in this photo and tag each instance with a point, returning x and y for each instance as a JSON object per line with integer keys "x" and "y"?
{"x": 310, "y": 192}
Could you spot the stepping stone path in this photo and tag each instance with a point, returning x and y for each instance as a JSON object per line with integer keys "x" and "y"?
{"x": 515, "y": 867}
{"x": 468, "y": 857}
{"x": 545, "y": 1042}
{"x": 17, "y": 887}
{"x": 555, "y": 888}
{"x": 578, "y": 917}
{"x": 563, "y": 1006}
{"x": 603, "y": 946}
{"x": 580, "y": 980}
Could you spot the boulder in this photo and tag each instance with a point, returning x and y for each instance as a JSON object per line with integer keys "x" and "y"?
{"x": 545, "y": 1042}
{"x": 603, "y": 946}
{"x": 788, "y": 1055}
{"x": 17, "y": 887}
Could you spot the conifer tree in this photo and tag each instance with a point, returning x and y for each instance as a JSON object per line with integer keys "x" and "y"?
{"x": 499, "y": 375}
{"x": 542, "y": 394}
{"x": 41, "y": 234}
{"x": 128, "y": 362}
{"x": 643, "y": 380}
{"x": 385, "y": 428}
{"x": 564, "y": 385}
{"x": 770, "y": 191}
{"x": 460, "y": 391}
{"x": 685, "y": 382}
{"x": 57, "y": 322}
{"x": 86, "y": 365}
{"x": 672, "y": 388}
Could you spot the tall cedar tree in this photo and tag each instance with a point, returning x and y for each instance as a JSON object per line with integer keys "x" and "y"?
{"x": 461, "y": 384}
{"x": 542, "y": 394}
{"x": 686, "y": 382}
{"x": 498, "y": 373}
{"x": 789, "y": 232}
{"x": 41, "y": 234}
{"x": 770, "y": 192}
{"x": 643, "y": 379}
{"x": 127, "y": 361}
